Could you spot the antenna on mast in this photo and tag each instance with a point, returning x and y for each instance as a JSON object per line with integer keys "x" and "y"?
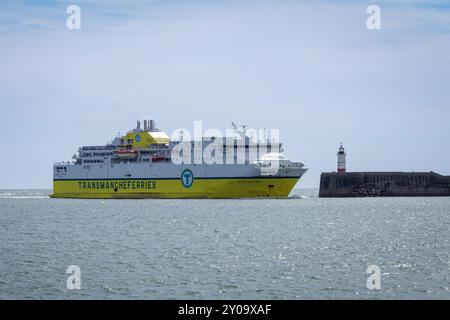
{"x": 237, "y": 130}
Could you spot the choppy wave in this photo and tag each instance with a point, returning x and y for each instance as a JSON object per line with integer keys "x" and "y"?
{"x": 308, "y": 248}
{"x": 25, "y": 194}
{"x": 304, "y": 193}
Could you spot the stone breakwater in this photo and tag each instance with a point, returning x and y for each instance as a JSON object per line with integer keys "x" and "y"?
{"x": 383, "y": 184}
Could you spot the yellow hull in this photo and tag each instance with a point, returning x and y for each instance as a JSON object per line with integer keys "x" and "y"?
{"x": 173, "y": 188}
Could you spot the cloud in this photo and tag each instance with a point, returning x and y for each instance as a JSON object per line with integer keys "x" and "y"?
{"x": 311, "y": 69}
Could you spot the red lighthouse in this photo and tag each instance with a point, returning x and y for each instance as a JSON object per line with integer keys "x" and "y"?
{"x": 341, "y": 160}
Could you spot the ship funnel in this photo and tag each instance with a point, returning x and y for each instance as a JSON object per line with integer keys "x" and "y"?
{"x": 151, "y": 125}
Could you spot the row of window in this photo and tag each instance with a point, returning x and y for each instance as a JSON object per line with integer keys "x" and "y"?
{"x": 107, "y": 147}
{"x": 92, "y": 161}
{"x": 246, "y": 146}
{"x": 98, "y": 154}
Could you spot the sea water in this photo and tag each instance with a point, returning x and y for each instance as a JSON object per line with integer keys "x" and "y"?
{"x": 303, "y": 247}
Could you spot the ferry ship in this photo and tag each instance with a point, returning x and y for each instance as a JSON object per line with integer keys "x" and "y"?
{"x": 141, "y": 164}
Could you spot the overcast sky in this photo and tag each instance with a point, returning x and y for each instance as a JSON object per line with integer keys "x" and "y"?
{"x": 310, "y": 68}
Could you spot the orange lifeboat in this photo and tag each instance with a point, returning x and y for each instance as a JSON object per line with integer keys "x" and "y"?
{"x": 158, "y": 158}
{"x": 125, "y": 154}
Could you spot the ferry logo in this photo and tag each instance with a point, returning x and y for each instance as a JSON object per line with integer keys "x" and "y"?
{"x": 187, "y": 178}
{"x": 137, "y": 138}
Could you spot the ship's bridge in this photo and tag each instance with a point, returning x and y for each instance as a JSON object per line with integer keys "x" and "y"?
{"x": 273, "y": 156}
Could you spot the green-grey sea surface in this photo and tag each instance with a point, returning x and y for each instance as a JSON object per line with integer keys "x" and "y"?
{"x": 303, "y": 247}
